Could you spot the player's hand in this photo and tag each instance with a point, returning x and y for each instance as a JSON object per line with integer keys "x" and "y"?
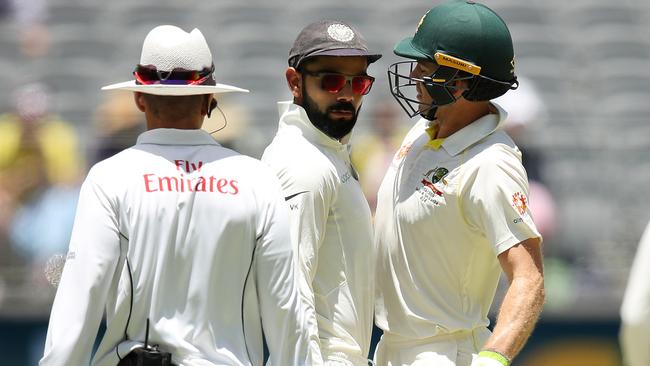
{"x": 489, "y": 358}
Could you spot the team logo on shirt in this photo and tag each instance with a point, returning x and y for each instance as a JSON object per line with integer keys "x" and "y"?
{"x": 437, "y": 175}
{"x": 401, "y": 153}
{"x": 428, "y": 191}
{"x": 520, "y": 202}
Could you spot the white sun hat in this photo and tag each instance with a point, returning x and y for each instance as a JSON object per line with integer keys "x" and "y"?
{"x": 174, "y": 62}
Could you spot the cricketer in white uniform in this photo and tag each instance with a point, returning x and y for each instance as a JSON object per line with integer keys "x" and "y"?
{"x": 635, "y": 310}
{"x": 330, "y": 217}
{"x": 182, "y": 232}
{"x": 452, "y": 210}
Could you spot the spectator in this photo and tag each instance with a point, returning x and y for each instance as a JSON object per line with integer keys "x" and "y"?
{"x": 40, "y": 168}
{"x": 373, "y": 152}
{"x": 118, "y": 123}
{"x": 29, "y": 17}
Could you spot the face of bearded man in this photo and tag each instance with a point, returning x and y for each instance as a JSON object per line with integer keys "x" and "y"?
{"x": 332, "y": 112}
{"x": 335, "y": 128}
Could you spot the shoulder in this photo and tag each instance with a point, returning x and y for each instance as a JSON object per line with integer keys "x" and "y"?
{"x": 291, "y": 147}
{"x": 496, "y": 150}
{"x": 495, "y": 158}
{"x": 300, "y": 164}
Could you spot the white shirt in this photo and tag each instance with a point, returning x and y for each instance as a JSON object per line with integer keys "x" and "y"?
{"x": 331, "y": 221}
{"x": 635, "y": 311}
{"x": 444, "y": 213}
{"x": 207, "y": 238}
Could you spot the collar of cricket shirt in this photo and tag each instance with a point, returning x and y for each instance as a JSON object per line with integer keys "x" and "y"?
{"x": 174, "y": 136}
{"x": 293, "y": 116}
{"x": 432, "y": 131}
{"x": 470, "y": 134}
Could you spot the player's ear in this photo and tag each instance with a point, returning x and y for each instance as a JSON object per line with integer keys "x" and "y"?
{"x": 461, "y": 86}
{"x": 139, "y": 101}
{"x": 209, "y": 104}
{"x": 294, "y": 81}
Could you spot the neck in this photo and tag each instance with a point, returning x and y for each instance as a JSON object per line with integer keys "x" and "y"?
{"x": 454, "y": 117}
{"x": 185, "y": 124}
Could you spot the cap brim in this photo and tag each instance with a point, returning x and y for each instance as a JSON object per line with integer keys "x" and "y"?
{"x": 372, "y": 57}
{"x": 406, "y": 49}
{"x": 161, "y": 89}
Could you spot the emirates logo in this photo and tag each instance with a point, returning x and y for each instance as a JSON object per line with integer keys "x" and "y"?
{"x": 340, "y": 32}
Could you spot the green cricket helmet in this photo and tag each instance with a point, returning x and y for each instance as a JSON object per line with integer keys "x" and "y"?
{"x": 468, "y": 41}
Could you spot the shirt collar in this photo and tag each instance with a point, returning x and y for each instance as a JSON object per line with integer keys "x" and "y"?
{"x": 173, "y": 136}
{"x": 295, "y": 116}
{"x": 475, "y": 131}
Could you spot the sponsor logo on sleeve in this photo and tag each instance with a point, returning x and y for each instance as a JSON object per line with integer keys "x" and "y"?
{"x": 401, "y": 153}
{"x": 520, "y": 202}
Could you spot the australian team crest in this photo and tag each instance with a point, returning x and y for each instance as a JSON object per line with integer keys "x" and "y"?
{"x": 429, "y": 193}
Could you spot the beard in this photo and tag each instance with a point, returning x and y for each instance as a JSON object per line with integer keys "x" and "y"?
{"x": 333, "y": 128}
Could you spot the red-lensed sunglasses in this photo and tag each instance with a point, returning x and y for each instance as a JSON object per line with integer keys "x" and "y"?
{"x": 149, "y": 74}
{"x": 334, "y": 83}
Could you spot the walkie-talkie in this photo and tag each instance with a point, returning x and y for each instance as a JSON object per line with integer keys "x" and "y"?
{"x": 151, "y": 356}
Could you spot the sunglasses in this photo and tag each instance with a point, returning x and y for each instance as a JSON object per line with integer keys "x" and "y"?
{"x": 334, "y": 83}
{"x": 149, "y": 74}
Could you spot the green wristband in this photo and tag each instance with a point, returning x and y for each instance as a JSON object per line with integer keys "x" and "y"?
{"x": 495, "y": 356}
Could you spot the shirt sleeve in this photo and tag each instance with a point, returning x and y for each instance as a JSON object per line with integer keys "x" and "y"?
{"x": 308, "y": 219}
{"x": 635, "y": 311}
{"x": 309, "y": 213}
{"x": 285, "y": 318}
{"x": 92, "y": 258}
{"x": 494, "y": 198}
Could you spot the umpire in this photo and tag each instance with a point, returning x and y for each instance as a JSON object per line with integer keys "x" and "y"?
{"x": 182, "y": 243}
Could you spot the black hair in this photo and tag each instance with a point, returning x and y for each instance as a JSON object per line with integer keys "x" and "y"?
{"x": 174, "y": 106}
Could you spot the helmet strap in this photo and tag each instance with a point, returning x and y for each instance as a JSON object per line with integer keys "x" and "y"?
{"x": 439, "y": 88}
{"x": 483, "y": 88}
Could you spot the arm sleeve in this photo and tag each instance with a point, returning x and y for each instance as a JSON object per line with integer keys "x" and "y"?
{"x": 285, "y": 317}
{"x": 309, "y": 212}
{"x": 308, "y": 219}
{"x": 494, "y": 199}
{"x": 635, "y": 311}
{"x": 81, "y": 296}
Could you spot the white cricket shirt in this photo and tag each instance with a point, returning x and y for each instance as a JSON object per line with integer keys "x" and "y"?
{"x": 635, "y": 311}
{"x": 331, "y": 221}
{"x": 207, "y": 237}
{"x": 444, "y": 213}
